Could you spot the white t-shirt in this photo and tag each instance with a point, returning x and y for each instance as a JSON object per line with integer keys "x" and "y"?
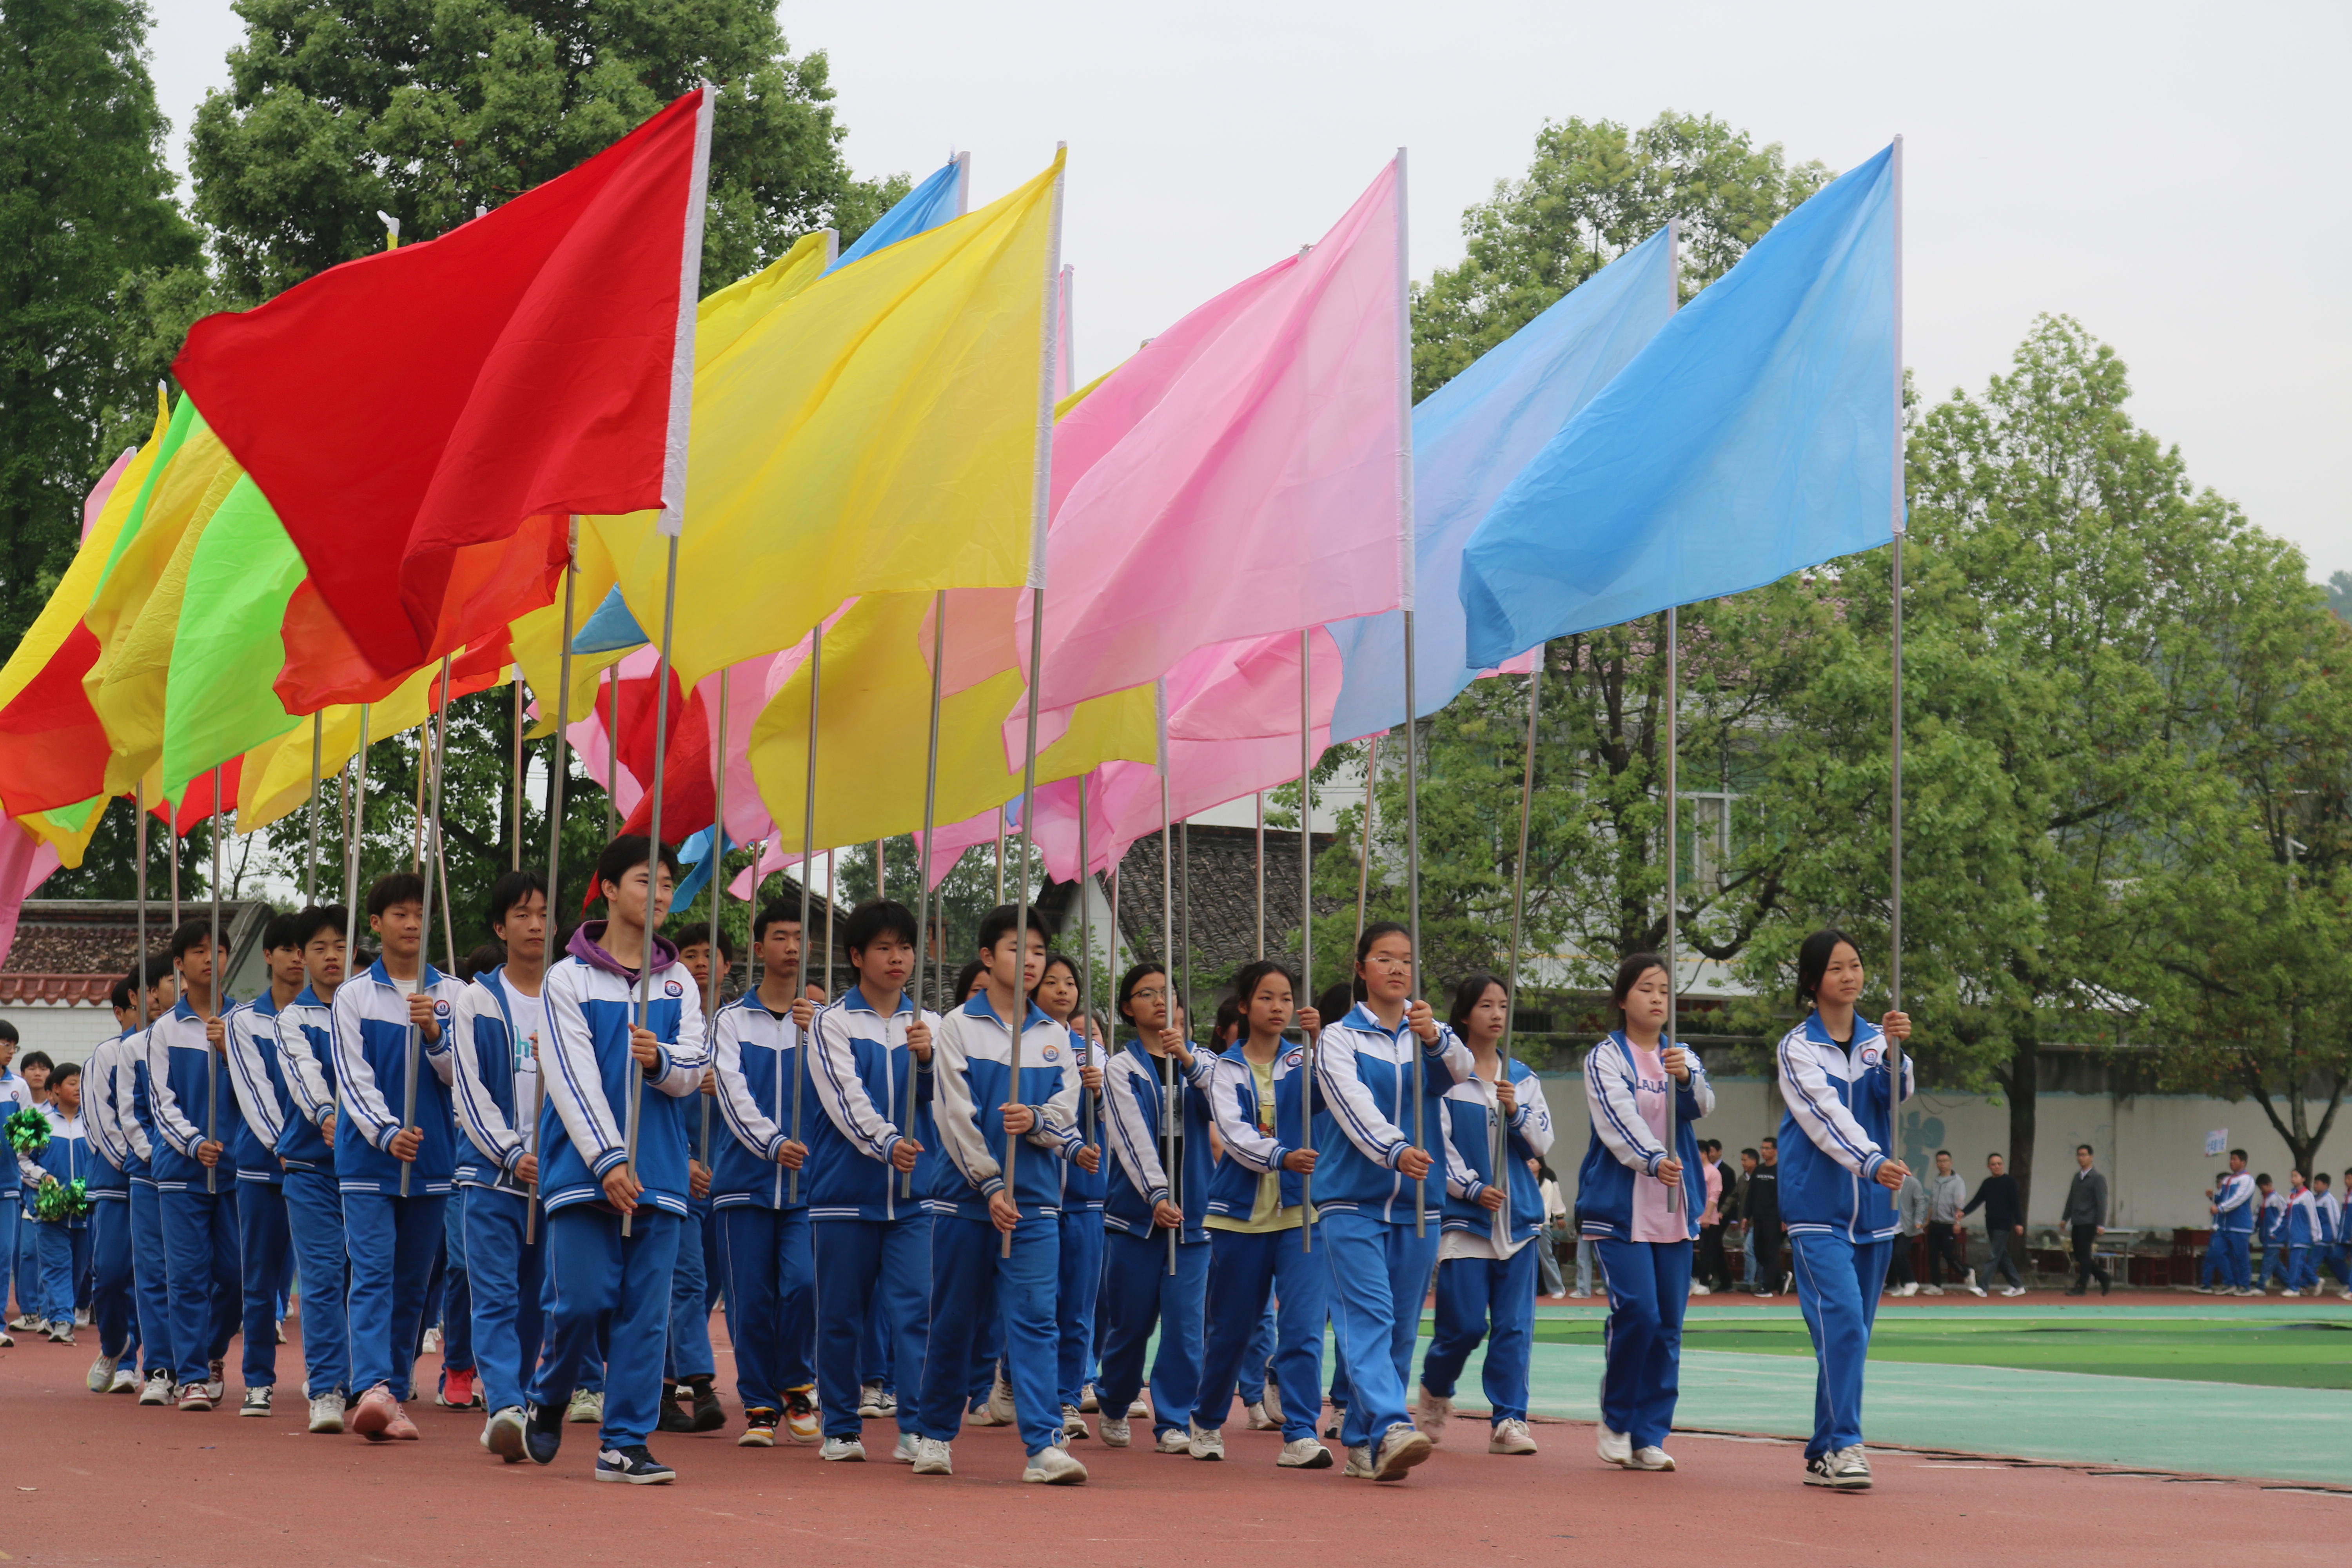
{"x": 530, "y": 1015}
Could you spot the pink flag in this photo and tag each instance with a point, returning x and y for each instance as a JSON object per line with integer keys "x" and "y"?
{"x": 96, "y": 501}
{"x": 1242, "y": 475}
{"x": 25, "y": 863}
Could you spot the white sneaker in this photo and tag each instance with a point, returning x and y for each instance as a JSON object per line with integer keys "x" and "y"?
{"x": 1171, "y": 1441}
{"x": 504, "y": 1435}
{"x": 1073, "y": 1424}
{"x": 1205, "y": 1443}
{"x": 1971, "y": 1282}
{"x": 932, "y": 1457}
{"x": 1616, "y": 1448}
{"x": 1116, "y": 1433}
{"x": 869, "y": 1402}
{"x": 1431, "y": 1414}
{"x": 1000, "y": 1402}
{"x": 158, "y": 1390}
{"x": 586, "y": 1409}
{"x": 840, "y": 1448}
{"x": 1086, "y": 1403}
{"x": 101, "y": 1374}
{"x": 432, "y": 1342}
{"x": 125, "y": 1381}
{"x": 1650, "y": 1456}
{"x": 1844, "y": 1469}
{"x": 1139, "y": 1409}
{"x": 1360, "y": 1463}
{"x": 1932, "y": 1291}
{"x": 2013, "y": 1290}
{"x": 1579, "y": 1295}
{"x": 1303, "y": 1454}
{"x": 327, "y": 1413}
{"x": 256, "y": 1402}
{"x": 1262, "y": 1416}
{"x": 1053, "y": 1468}
{"x": 905, "y": 1452}
{"x": 2290, "y": 1292}
{"x": 1698, "y": 1289}
{"x": 1510, "y": 1438}
{"x": 1911, "y": 1288}
{"x": 1400, "y": 1449}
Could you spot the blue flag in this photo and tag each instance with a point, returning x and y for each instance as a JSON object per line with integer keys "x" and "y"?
{"x": 1755, "y": 436}
{"x": 927, "y": 205}
{"x": 696, "y": 852}
{"x": 609, "y": 628}
{"x": 1470, "y": 439}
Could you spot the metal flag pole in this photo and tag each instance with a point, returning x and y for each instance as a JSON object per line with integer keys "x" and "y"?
{"x": 1261, "y": 875}
{"x": 1184, "y": 921}
{"x": 1364, "y": 856}
{"x": 310, "y": 860}
{"x": 138, "y": 833}
{"x": 1895, "y": 798}
{"x": 717, "y": 881}
{"x": 1412, "y": 708}
{"x": 517, "y": 866}
{"x": 1084, "y": 1044}
{"x": 212, "y": 1056}
{"x": 923, "y": 876}
{"x": 612, "y": 755}
{"x": 831, "y": 904}
{"x": 352, "y": 848}
{"x": 1305, "y": 924}
{"x": 559, "y": 765}
{"x": 808, "y": 864}
{"x": 172, "y": 822}
{"x": 1168, "y": 963}
{"x": 417, "y": 848}
{"x": 1674, "y": 1193}
{"x": 1518, "y": 911}
{"x": 653, "y": 853}
{"x": 427, "y": 748}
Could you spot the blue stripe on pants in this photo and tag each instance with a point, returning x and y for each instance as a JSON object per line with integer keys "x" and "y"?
{"x": 1143, "y": 1295}
{"x": 607, "y": 1280}
{"x": 393, "y": 1243}
{"x": 314, "y": 1228}
{"x": 150, "y": 1296}
{"x": 1838, "y": 1282}
{"x": 64, "y": 1252}
{"x": 111, "y": 1288}
{"x": 1472, "y": 1292}
{"x": 457, "y": 1313}
{"x": 1078, "y": 1293}
{"x": 1247, "y": 1265}
{"x": 770, "y": 1301}
{"x": 201, "y": 1277}
{"x": 262, "y": 1236}
{"x": 1378, "y": 1273}
{"x": 865, "y": 1268}
{"x": 1649, "y": 1285}
{"x": 688, "y": 1355}
{"x": 506, "y": 1277}
{"x": 973, "y": 1285}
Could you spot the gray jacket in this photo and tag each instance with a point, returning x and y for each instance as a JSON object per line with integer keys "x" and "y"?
{"x": 2086, "y": 1199}
{"x": 1911, "y": 1205}
{"x": 1944, "y": 1196}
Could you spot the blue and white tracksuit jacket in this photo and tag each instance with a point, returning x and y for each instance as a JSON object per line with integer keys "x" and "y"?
{"x": 1467, "y": 1113}
{"x": 1084, "y": 1190}
{"x": 1250, "y": 1152}
{"x": 1622, "y": 1150}
{"x": 105, "y": 1109}
{"x": 306, "y": 1058}
{"x": 757, "y": 1053}
{"x": 591, "y": 1003}
{"x": 66, "y": 1157}
{"x": 1364, "y": 1075}
{"x": 497, "y": 1074}
{"x": 860, "y": 1069}
{"x": 1835, "y": 1133}
{"x": 370, "y": 1046}
{"x": 260, "y": 1085}
{"x": 2234, "y": 1206}
{"x": 972, "y": 1081}
{"x": 183, "y": 1091}
{"x": 1136, "y": 1092}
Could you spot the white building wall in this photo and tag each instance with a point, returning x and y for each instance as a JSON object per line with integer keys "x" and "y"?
{"x": 67, "y": 1033}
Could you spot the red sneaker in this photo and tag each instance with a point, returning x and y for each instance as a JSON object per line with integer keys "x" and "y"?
{"x": 372, "y": 1417}
{"x": 458, "y": 1390}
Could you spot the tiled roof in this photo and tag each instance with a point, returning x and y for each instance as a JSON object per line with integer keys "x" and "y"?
{"x": 58, "y": 990}
{"x": 1219, "y": 864}
{"x": 93, "y": 941}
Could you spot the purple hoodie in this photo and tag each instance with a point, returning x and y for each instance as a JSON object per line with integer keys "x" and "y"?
{"x": 587, "y": 946}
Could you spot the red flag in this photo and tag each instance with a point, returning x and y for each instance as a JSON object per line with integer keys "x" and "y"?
{"x": 403, "y": 408}
{"x": 196, "y": 801}
{"x": 689, "y": 799}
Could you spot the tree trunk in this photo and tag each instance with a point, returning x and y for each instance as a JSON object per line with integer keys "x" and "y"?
{"x": 2022, "y": 1085}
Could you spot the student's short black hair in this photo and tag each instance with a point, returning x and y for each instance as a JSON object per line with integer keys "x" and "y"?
{"x": 277, "y": 933}
{"x": 1004, "y": 919}
{"x": 781, "y": 908}
{"x": 43, "y": 1058}
{"x": 626, "y": 853}
{"x": 2262, "y": 1181}
{"x": 514, "y": 888}
{"x": 124, "y": 995}
{"x": 870, "y": 922}
{"x": 1814, "y": 960}
{"x": 393, "y": 889}
{"x": 685, "y": 936}
{"x": 482, "y": 960}
{"x": 192, "y": 934}
{"x": 159, "y": 969}
{"x": 1946, "y": 1153}
{"x": 8, "y": 1032}
{"x": 318, "y": 918}
{"x": 2083, "y": 1148}
{"x": 1752, "y": 1154}
{"x": 2322, "y": 1176}
{"x": 1335, "y": 1002}
{"x": 2239, "y": 1154}
{"x": 966, "y": 977}
{"x": 1768, "y": 1138}
{"x": 1135, "y": 977}
{"x": 1996, "y": 1154}
{"x": 63, "y": 1071}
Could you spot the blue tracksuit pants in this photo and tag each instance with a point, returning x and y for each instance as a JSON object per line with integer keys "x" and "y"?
{"x": 973, "y": 1285}
{"x": 456, "y": 1315}
{"x": 616, "y": 1286}
{"x": 876, "y": 1361}
{"x": 314, "y": 1228}
{"x": 393, "y": 1243}
{"x": 1077, "y": 1294}
{"x": 202, "y": 1277}
{"x": 1245, "y": 1266}
{"x": 862, "y": 1265}
{"x": 770, "y": 1301}
{"x": 110, "y": 1291}
{"x": 263, "y": 1238}
{"x": 23, "y": 1252}
{"x": 506, "y": 1279}
{"x": 150, "y": 1297}
{"x": 1472, "y": 1294}
{"x": 1649, "y": 1284}
{"x": 1144, "y": 1295}
{"x": 1378, "y": 1274}
{"x": 1838, "y": 1283}
{"x": 592, "y": 1377}
{"x": 1249, "y": 1385}
{"x": 2237, "y": 1266}
{"x": 688, "y": 1355}
{"x": 2331, "y": 1259}
{"x": 64, "y": 1252}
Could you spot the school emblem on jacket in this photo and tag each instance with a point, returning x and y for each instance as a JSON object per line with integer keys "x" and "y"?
{"x": 1051, "y": 1053}
{"x": 1870, "y": 1055}
{"x": 672, "y": 988}
{"x": 1294, "y": 1058}
{"x": 441, "y": 1007}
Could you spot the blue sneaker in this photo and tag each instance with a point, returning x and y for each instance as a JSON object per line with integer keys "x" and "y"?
{"x": 635, "y": 1465}
{"x": 543, "y": 1433}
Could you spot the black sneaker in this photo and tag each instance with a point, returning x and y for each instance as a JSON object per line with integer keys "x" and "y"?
{"x": 709, "y": 1415}
{"x": 674, "y": 1416}
{"x": 542, "y": 1431}
{"x": 634, "y": 1465}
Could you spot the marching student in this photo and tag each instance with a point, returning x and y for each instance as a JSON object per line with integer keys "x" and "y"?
{"x": 1626, "y": 1201}
{"x": 1494, "y": 1225}
{"x": 197, "y": 1114}
{"x": 2329, "y": 1253}
{"x": 1156, "y": 1089}
{"x": 1837, "y": 1187}
{"x": 601, "y": 1061}
{"x": 106, "y": 1106}
{"x": 150, "y": 1296}
{"x": 402, "y": 1004}
{"x": 871, "y": 1239}
{"x": 501, "y": 1018}
{"x": 980, "y": 1105}
{"x": 688, "y": 1368}
{"x": 1078, "y": 1281}
{"x": 259, "y": 1080}
{"x": 16, "y": 1095}
{"x": 1256, "y": 1223}
{"x": 62, "y": 1244}
{"x": 2234, "y": 1209}
{"x": 764, "y": 1248}
{"x": 2273, "y": 1220}
{"x": 306, "y": 1150}
{"x": 2298, "y": 1234}
{"x": 1367, "y": 1065}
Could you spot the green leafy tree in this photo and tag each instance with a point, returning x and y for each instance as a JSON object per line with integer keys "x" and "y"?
{"x": 85, "y": 203}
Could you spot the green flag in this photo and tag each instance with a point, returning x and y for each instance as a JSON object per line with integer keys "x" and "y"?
{"x": 219, "y": 700}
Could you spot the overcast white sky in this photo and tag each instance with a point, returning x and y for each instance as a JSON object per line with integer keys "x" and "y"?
{"x": 2159, "y": 170}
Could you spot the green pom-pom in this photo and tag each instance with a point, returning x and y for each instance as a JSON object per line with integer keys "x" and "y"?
{"x": 28, "y": 1132}
{"x": 60, "y": 1201}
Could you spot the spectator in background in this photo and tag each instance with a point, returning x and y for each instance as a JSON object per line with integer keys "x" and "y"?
{"x": 1945, "y": 1240}
{"x": 1748, "y": 1163}
{"x": 1548, "y": 1277}
{"x": 1911, "y": 1218}
{"x": 1713, "y": 1274}
{"x": 1762, "y": 1207}
{"x": 2085, "y": 1216}
{"x": 2004, "y": 1224}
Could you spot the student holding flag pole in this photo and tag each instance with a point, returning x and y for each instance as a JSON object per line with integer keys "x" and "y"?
{"x": 201, "y": 1273}
{"x": 1060, "y": 996}
{"x": 306, "y": 1146}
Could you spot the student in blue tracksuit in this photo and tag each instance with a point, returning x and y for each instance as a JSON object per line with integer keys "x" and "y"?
{"x": 2299, "y": 1237}
{"x": 61, "y": 1245}
{"x": 1626, "y": 1201}
{"x": 996, "y": 1236}
{"x": 1156, "y": 1090}
{"x": 1379, "y": 1192}
{"x": 401, "y": 1005}
{"x": 2234, "y": 1209}
{"x": 106, "y": 1106}
{"x": 1494, "y": 1225}
{"x": 306, "y": 1150}
{"x": 870, "y": 1067}
{"x": 613, "y": 1220}
{"x": 1257, "y": 1234}
{"x": 195, "y": 1111}
{"x": 688, "y": 1367}
{"x": 259, "y": 1080}
{"x": 1837, "y": 1188}
{"x": 2330, "y": 1253}
{"x": 2272, "y": 1219}
{"x": 17, "y": 1093}
{"x": 760, "y": 1187}
{"x": 1078, "y": 1285}
{"x": 151, "y": 1297}
{"x": 501, "y": 1018}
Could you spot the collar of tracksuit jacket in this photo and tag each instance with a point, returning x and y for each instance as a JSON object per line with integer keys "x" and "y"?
{"x": 587, "y": 945}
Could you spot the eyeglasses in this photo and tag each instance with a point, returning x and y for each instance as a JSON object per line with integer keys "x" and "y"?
{"x": 1154, "y": 995}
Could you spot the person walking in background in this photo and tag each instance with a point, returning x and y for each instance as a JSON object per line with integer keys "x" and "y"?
{"x": 2234, "y": 1209}
{"x": 1727, "y": 1215}
{"x": 2085, "y": 1216}
{"x": 1946, "y": 1193}
{"x": 1748, "y": 1163}
{"x": 2273, "y": 1220}
{"x": 1911, "y": 1215}
{"x": 1762, "y": 1207}
{"x": 2004, "y": 1224}
{"x": 1709, "y": 1276}
{"x": 1548, "y": 1281}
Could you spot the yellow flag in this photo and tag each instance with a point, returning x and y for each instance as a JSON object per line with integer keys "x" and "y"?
{"x": 874, "y": 433}
{"x": 277, "y": 778}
